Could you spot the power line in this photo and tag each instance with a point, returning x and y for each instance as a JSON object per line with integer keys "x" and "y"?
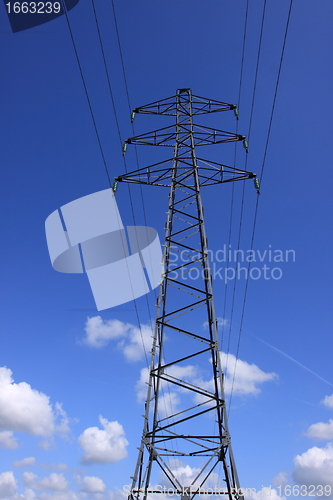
{"x": 130, "y": 110}
{"x": 235, "y": 162}
{"x": 137, "y": 162}
{"x": 125, "y": 165}
{"x": 261, "y": 176}
{"x": 86, "y": 92}
{"x": 95, "y": 124}
{"x": 257, "y": 68}
{"x": 246, "y": 161}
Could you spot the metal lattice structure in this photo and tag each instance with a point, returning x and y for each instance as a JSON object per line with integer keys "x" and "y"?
{"x": 185, "y": 444}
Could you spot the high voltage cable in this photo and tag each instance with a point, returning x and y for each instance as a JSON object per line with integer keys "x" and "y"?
{"x": 107, "y": 72}
{"x": 257, "y": 70}
{"x": 261, "y": 176}
{"x": 276, "y": 89}
{"x": 96, "y": 131}
{"x": 132, "y": 125}
{"x": 124, "y": 160}
{"x": 235, "y": 158}
{"x": 86, "y": 91}
{"x": 245, "y": 167}
{"x": 137, "y": 162}
{"x": 130, "y": 109}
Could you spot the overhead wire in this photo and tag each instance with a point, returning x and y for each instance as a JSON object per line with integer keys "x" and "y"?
{"x": 140, "y": 186}
{"x": 86, "y": 91}
{"x": 96, "y": 128}
{"x": 245, "y": 168}
{"x": 235, "y": 162}
{"x": 124, "y": 160}
{"x": 261, "y": 176}
{"x": 129, "y": 108}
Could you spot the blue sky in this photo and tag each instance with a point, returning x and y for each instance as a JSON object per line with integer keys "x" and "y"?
{"x": 55, "y": 383}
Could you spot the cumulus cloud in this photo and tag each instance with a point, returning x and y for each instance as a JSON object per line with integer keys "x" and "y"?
{"x": 54, "y": 482}
{"x": 92, "y": 484}
{"x": 63, "y": 421}
{"x": 58, "y": 495}
{"x": 26, "y": 462}
{"x": 314, "y": 467}
{"x": 105, "y": 445}
{"x": 8, "y": 485}
{"x": 321, "y": 430}
{"x": 120, "y": 495}
{"x": 281, "y": 479}
{"x": 187, "y": 475}
{"x": 247, "y": 376}
{"x": 328, "y": 401}
{"x": 168, "y": 403}
{"x": 141, "y": 385}
{"x": 168, "y": 399}
{"x": 8, "y": 441}
{"x": 220, "y": 322}
{"x": 263, "y": 494}
{"x": 100, "y": 332}
{"x": 54, "y": 466}
{"x": 26, "y": 410}
{"x": 138, "y": 342}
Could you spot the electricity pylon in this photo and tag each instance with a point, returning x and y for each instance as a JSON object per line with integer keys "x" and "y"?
{"x": 185, "y": 448}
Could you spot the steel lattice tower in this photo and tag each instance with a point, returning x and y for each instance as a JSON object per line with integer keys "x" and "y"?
{"x": 185, "y": 436}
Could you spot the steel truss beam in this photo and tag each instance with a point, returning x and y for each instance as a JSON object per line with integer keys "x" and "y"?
{"x": 197, "y": 431}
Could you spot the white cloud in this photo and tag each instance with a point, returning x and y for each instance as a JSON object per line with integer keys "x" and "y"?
{"x": 321, "y": 430}
{"x": 46, "y": 444}
{"x": 54, "y": 466}
{"x": 315, "y": 466}
{"x": 328, "y": 401}
{"x": 54, "y": 482}
{"x": 168, "y": 403}
{"x": 141, "y": 385}
{"x": 119, "y": 495}
{"x": 100, "y": 332}
{"x": 103, "y": 446}
{"x": 28, "y": 495}
{"x": 139, "y": 341}
{"x": 188, "y": 372}
{"x": 26, "y": 462}
{"x": 266, "y": 493}
{"x": 247, "y": 379}
{"x": 58, "y": 495}
{"x": 26, "y": 410}
{"x": 29, "y": 479}
{"x": 168, "y": 399}
{"x": 92, "y": 484}
{"x": 220, "y": 322}
{"x": 8, "y": 484}
{"x": 63, "y": 425}
{"x": 8, "y": 441}
{"x": 247, "y": 376}
{"x": 281, "y": 479}
{"x": 186, "y": 476}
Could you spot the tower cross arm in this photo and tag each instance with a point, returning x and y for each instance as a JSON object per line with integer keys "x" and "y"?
{"x": 169, "y": 106}
{"x": 162, "y": 173}
{"x": 168, "y": 136}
